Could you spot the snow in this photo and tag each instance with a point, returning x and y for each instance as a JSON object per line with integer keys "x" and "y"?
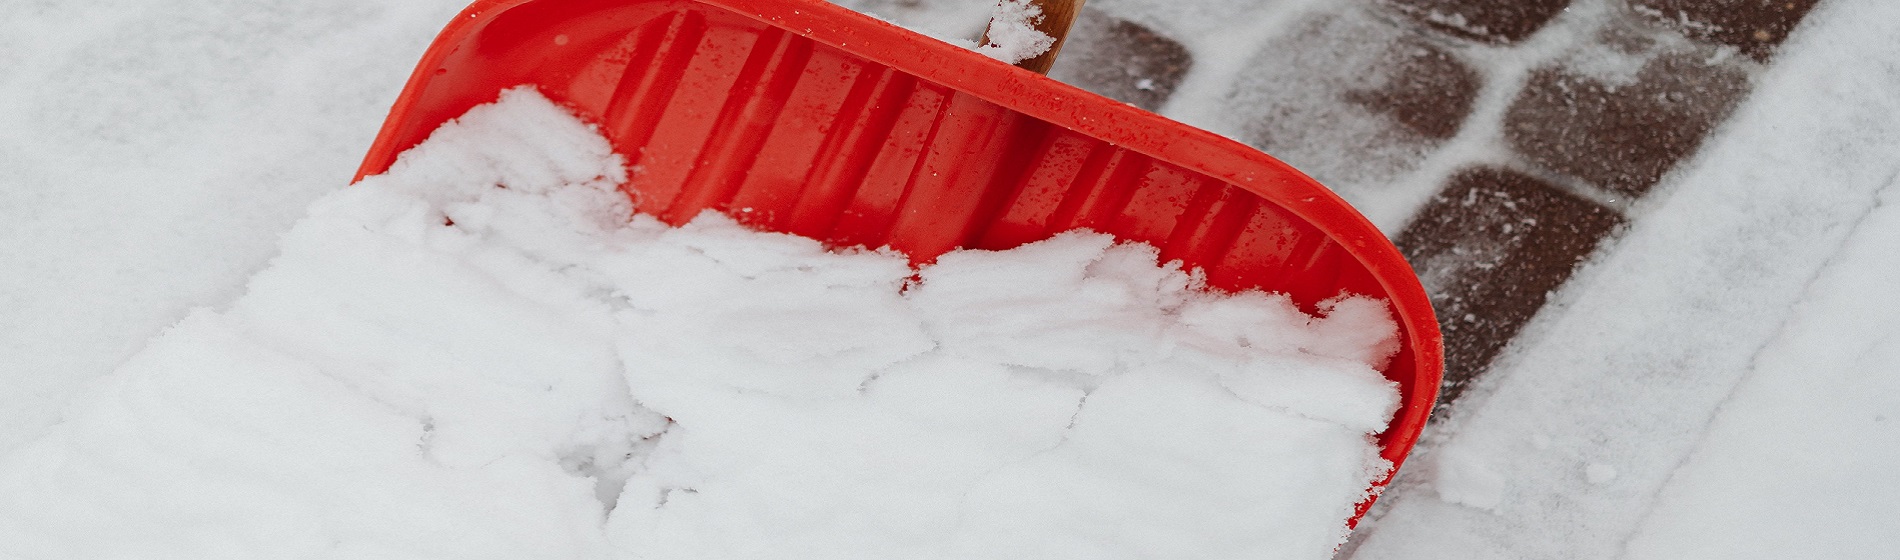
{"x": 489, "y": 352}
{"x": 1012, "y": 36}
{"x": 1712, "y": 357}
{"x": 133, "y": 139}
{"x": 958, "y": 23}
{"x": 1794, "y": 463}
{"x": 1599, "y": 473}
{"x": 1648, "y": 343}
{"x": 1465, "y": 479}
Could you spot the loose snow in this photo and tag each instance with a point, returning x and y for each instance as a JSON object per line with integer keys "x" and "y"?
{"x": 485, "y": 354}
{"x": 1012, "y": 35}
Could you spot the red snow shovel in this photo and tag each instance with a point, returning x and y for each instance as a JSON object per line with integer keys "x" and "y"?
{"x": 803, "y": 117}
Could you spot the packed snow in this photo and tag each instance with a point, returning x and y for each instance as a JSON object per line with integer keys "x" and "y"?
{"x": 485, "y": 354}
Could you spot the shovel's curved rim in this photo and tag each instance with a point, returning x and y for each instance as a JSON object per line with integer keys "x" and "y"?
{"x": 1069, "y": 107}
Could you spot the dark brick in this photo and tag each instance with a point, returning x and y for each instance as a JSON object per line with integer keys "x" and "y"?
{"x": 1353, "y": 99}
{"x": 1121, "y": 60}
{"x": 1754, "y": 26}
{"x": 1491, "y": 21}
{"x": 1489, "y": 248}
{"x": 1425, "y": 90}
{"x": 1623, "y": 136}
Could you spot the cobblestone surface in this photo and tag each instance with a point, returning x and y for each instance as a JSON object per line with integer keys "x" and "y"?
{"x": 1353, "y": 99}
{"x": 1362, "y": 93}
{"x": 1122, "y": 60}
{"x": 1426, "y": 90}
{"x": 1754, "y": 26}
{"x": 1490, "y": 247}
{"x": 1623, "y": 136}
{"x": 1494, "y": 21}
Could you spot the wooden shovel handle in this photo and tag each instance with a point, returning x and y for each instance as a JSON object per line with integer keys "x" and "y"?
{"x": 1057, "y": 16}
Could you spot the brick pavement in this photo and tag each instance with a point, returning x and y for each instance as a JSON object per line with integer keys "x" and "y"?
{"x": 1591, "y": 119}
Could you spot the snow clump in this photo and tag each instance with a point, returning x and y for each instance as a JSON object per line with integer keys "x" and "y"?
{"x": 1012, "y": 36}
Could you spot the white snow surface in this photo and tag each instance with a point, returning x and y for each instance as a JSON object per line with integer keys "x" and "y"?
{"x": 1793, "y": 464}
{"x": 484, "y": 354}
{"x": 135, "y": 137}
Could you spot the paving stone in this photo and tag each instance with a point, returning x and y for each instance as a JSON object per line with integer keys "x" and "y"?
{"x": 1491, "y": 21}
{"x": 1489, "y": 248}
{"x": 1623, "y": 133}
{"x": 1352, "y": 99}
{"x": 1121, "y": 60}
{"x": 1754, "y": 26}
{"x": 1425, "y": 90}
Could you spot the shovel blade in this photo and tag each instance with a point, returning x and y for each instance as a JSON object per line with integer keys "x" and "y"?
{"x": 802, "y": 117}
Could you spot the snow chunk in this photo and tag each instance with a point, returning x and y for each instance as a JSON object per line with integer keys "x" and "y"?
{"x": 1463, "y": 477}
{"x": 1012, "y": 35}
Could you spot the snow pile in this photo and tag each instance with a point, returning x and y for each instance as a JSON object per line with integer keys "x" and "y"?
{"x": 1012, "y": 35}
{"x": 484, "y": 354}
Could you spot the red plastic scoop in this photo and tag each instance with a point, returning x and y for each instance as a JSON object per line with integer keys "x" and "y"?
{"x": 803, "y": 117}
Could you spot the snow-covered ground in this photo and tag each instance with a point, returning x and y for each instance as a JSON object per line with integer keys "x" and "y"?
{"x": 1718, "y": 383}
{"x": 1711, "y": 387}
{"x": 151, "y": 153}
